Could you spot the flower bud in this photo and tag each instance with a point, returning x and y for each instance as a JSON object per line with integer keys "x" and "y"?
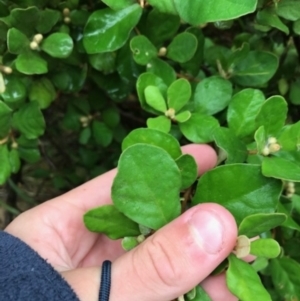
{"x": 38, "y": 38}
{"x": 162, "y": 51}
{"x": 34, "y": 45}
{"x": 266, "y": 151}
{"x": 7, "y": 70}
{"x": 274, "y": 147}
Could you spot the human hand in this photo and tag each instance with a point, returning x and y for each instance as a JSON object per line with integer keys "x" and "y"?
{"x": 165, "y": 266}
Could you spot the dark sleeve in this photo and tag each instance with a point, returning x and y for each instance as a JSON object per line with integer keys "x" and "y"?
{"x": 24, "y": 275}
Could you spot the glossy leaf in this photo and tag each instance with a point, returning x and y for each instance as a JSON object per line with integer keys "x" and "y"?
{"x": 163, "y": 70}
{"x": 5, "y": 169}
{"x": 108, "y": 30}
{"x": 140, "y": 194}
{"x": 289, "y": 137}
{"x": 281, "y": 168}
{"x": 269, "y": 17}
{"x": 29, "y": 120}
{"x": 199, "y": 128}
{"x": 155, "y": 99}
{"x": 235, "y": 149}
{"x": 259, "y": 223}
{"x": 118, "y": 5}
{"x": 179, "y": 94}
{"x": 145, "y": 80}
{"x": 43, "y": 92}
{"x": 189, "y": 170}
{"x": 212, "y": 95}
{"x": 16, "y": 41}
{"x": 109, "y": 220}
{"x": 143, "y": 50}
{"x": 14, "y": 160}
{"x": 153, "y": 137}
{"x": 265, "y": 247}
{"x": 128, "y": 243}
{"x": 289, "y": 223}
{"x": 48, "y": 18}
{"x": 104, "y": 62}
{"x": 242, "y": 111}
{"x": 161, "y": 123}
{"x": 243, "y": 281}
{"x": 272, "y": 115}
{"x": 5, "y": 118}
{"x": 252, "y": 193}
{"x": 255, "y": 69}
{"x": 102, "y": 134}
{"x": 212, "y": 11}
{"x": 58, "y": 45}
{"x": 182, "y": 48}
{"x": 30, "y": 63}
{"x": 183, "y": 116}
{"x": 166, "y": 6}
{"x": 285, "y": 275}
{"x": 28, "y": 149}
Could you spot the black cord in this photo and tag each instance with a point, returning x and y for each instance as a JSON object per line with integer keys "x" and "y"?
{"x": 105, "y": 281}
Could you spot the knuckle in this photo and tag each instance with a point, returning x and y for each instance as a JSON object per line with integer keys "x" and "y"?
{"x": 166, "y": 268}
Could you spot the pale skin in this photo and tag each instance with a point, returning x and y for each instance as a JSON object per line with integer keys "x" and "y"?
{"x": 168, "y": 264}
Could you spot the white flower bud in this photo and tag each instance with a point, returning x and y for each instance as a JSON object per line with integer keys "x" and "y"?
{"x": 7, "y": 70}
{"x": 67, "y": 20}
{"x": 162, "y": 51}
{"x": 274, "y": 147}
{"x": 266, "y": 151}
{"x": 66, "y": 12}
{"x": 34, "y": 45}
{"x": 38, "y": 38}
{"x": 272, "y": 140}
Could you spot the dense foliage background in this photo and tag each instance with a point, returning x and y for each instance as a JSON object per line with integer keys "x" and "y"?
{"x": 76, "y": 77}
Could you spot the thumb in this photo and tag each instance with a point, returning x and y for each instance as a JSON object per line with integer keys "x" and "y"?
{"x": 177, "y": 257}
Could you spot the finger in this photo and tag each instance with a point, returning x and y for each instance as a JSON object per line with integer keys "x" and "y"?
{"x": 177, "y": 257}
{"x": 216, "y": 288}
{"x": 97, "y": 191}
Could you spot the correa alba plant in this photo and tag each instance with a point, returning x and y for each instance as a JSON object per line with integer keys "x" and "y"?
{"x": 218, "y": 72}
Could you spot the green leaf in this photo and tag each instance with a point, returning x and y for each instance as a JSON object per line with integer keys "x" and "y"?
{"x": 16, "y": 41}
{"x": 260, "y": 263}
{"x": 43, "y": 92}
{"x": 109, "y": 220}
{"x": 14, "y": 160}
{"x": 285, "y": 275}
{"x": 145, "y": 80}
{"x": 261, "y": 140}
{"x": 153, "y": 137}
{"x": 111, "y": 117}
{"x": 179, "y": 93}
{"x": 201, "y": 295}
{"x": 108, "y": 30}
{"x": 29, "y": 120}
{"x": 141, "y": 194}
{"x": 48, "y": 18}
{"x": 288, "y": 9}
{"x": 28, "y": 149}
{"x": 30, "y": 63}
{"x": 234, "y": 148}
{"x": 183, "y": 116}
{"x": 189, "y": 170}
{"x": 161, "y": 123}
{"x": 183, "y": 47}
{"x": 15, "y": 92}
{"x": 5, "y": 169}
{"x": 104, "y": 62}
{"x": 163, "y": 70}
{"x": 242, "y": 111}
{"x": 218, "y": 10}
{"x": 5, "y": 119}
{"x": 120, "y": 4}
{"x": 281, "y": 168}
{"x": 166, "y": 6}
{"x": 272, "y": 115}
{"x": 259, "y": 223}
{"x": 265, "y": 247}
{"x": 143, "y": 50}
{"x": 296, "y": 27}
{"x": 212, "y": 95}
{"x": 269, "y": 17}
{"x": 241, "y": 188}
{"x": 128, "y": 243}
{"x": 294, "y": 93}
{"x": 257, "y": 68}
{"x": 102, "y": 134}
{"x": 155, "y": 99}
{"x": 58, "y": 45}
{"x": 199, "y": 128}
{"x": 85, "y": 135}
{"x": 243, "y": 281}
{"x": 289, "y": 137}
{"x": 289, "y": 223}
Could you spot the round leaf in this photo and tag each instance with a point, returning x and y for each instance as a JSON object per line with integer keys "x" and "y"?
{"x": 212, "y": 95}
{"x": 128, "y": 243}
{"x": 189, "y": 170}
{"x": 14, "y": 160}
{"x": 265, "y": 247}
{"x": 108, "y": 30}
{"x": 165, "y": 6}
{"x": 150, "y": 199}
{"x": 16, "y": 41}
{"x": 30, "y": 63}
{"x": 102, "y": 134}
{"x": 199, "y": 128}
{"x": 59, "y": 45}
{"x": 183, "y": 47}
{"x": 160, "y": 123}
{"x": 179, "y": 93}
{"x": 240, "y": 188}
{"x": 109, "y": 220}
{"x": 143, "y": 50}
{"x": 183, "y": 116}
{"x": 155, "y": 99}
{"x": 153, "y": 137}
